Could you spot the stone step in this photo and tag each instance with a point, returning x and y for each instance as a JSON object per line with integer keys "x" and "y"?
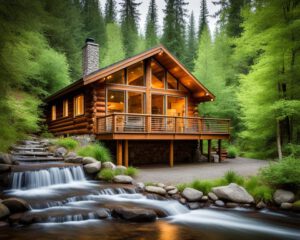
{"x": 29, "y": 149}
{"x": 31, "y": 142}
{"x": 28, "y": 153}
{"x": 45, "y": 165}
{"x": 37, "y": 159}
{"x": 30, "y": 146}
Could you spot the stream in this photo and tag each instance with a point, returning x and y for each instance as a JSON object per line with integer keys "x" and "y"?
{"x": 66, "y": 203}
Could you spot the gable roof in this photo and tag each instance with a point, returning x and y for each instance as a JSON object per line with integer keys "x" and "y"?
{"x": 159, "y": 53}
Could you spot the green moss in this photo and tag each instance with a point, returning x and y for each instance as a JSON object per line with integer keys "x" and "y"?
{"x": 97, "y": 151}
{"x": 68, "y": 143}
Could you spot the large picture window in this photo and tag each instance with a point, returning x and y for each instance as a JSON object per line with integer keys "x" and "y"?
{"x": 78, "y": 105}
{"x": 115, "y": 101}
{"x": 117, "y": 77}
{"x": 176, "y": 106}
{"x": 157, "y": 102}
{"x": 158, "y": 75}
{"x": 172, "y": 82}
{"x": 135, "y": 74}
{"x": 135, "y": 102}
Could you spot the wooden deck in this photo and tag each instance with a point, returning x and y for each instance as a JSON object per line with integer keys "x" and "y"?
{"x": 127, "y": 126}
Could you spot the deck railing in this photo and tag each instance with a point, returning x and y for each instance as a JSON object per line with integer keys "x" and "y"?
{"x": 161, "y": 124}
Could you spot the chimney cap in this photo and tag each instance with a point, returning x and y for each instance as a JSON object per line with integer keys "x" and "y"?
{"x": 92, "y": 40}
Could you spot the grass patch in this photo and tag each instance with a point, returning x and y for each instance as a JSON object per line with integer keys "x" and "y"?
{"x": 232, "y": 177}
{"x": 284, "y": 173}
{"x": 106, "y": 174}
{"x": 97, "y": 151}
{"x": 68, "y": 143}
{"x": 182, "y": 186}
{"x": 297, "y": 204}
{"x": 232, "y": 152}
{"x": 204, "y": 186}
{"x": 131, "y": 171}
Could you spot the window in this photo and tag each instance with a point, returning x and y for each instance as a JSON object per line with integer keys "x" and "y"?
{"x": 78, "y": 105}
{"x": 115, "y": 101}
{"x": 158, "y": 75}
{"x": 176, "y": 106}
{"x": 117, "y": 77}
{"x": 135, "y": 74}
{"x": 157, "y": 102}
{"x": 53, "y": 112}
{"x": 135, "y": 102}
{"x": 65, "y": 108}
{"x": 172, "y": 82}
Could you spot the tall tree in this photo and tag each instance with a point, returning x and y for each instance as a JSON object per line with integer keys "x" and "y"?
{"x": 269, "y": 93}
{"x": 203, "y": 22}
{"x": 174, "y": 27}
{"x": 129, "y": 25}
{"x": 151, "y": 25}
{"x": 110, "y": 11}
{"x": 191, "y": 44}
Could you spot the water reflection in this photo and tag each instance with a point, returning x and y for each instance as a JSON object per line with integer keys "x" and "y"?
{"x": 167, "y": 231}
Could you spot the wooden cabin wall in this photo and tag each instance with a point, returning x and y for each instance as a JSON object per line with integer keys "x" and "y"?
{"x": 192, "y": 107}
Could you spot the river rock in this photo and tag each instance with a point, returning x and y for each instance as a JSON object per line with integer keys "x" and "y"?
{"x": 168, "y": 188}
{"x": 121, "y": 168}
{"x": 261, "y": 205}
{"x": 88, "y": 160}
{"x": 182, "y": 200}
{"x": 102, "y": 213}
{"x": 234, "y": 193}
{"x": 173, "y": 191}
{"x": 3, "y": 224}
{"x": 92, "y": 167}
{"x": 219, "y": 203}
{"x": 5, "y": 168}
{"x": 155, "y": 189}
{"x": 4, "y": 211}
{"x": 192, "y": 195}
{"x": 77, "y": 160}
{"x": 108, "y": 165}
{"x": 6, "y": 158}
{"x": 28, "y": 219}
{"x": 122, "y": 179}
{"x": 286, "y": 206}
{"x": 212, "y": 196}
{"x": 161, "y": 185}
{"x": 193, "y": 205}
{"x": 134, "y": 215}
{"x": 204, "y": 198}
{"x": 15, "y": 218}
{"x": 71, "y": 155}
{"x": 140, "y": 185}
{"x": 231, "y": 205}
{"x": 60, "y": 152}
{"x": 16, "y": 205}
{"x": 283, "y": 196}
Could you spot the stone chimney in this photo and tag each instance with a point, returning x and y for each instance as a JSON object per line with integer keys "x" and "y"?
{"x": 90, "y": 56}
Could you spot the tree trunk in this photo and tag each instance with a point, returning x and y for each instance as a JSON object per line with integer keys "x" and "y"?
{"x": 279, "y": 141}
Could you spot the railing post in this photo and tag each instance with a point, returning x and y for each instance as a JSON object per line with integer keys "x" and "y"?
{"x": 113, "y": 127}
{"x": 148, "y": 121}
{"x": 175, "y": 125}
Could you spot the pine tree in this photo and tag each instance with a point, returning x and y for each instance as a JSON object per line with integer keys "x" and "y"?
{"x": 110, "y": 11}
{"x": 151, "y": 25}
{"x": 191, "y": 44}
{"x": 203, "y": 22}
{"x": 174, "y": 28}
{"x": 129, "y": 25}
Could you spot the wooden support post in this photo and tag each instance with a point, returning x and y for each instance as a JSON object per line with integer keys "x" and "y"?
{"x": 209, "y": 150}
{"x": 171, "y": 153}
{"x": 201, "y": 147}
{"x": 220, "y": 149}
{"x": 126, "y": 153}
{"x": 119, "y": 152}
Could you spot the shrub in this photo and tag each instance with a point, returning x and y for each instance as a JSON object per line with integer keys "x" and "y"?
{"x": 131, "y": 171}
{"x": 68, "y": 143}
{"x": 204, "y": 186}
{"x": 262, "y": 193}
{"x": 97, "y": 151}
{"x": 284, "y": 173}
{"x": 232, "y": 152}
{"x": 181, "y": 186}
{"x": 232, "y": 177}
{"x": 106, "y": 174}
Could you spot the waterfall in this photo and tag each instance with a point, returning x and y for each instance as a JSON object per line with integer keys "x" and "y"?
{"x": 46, "y": 177}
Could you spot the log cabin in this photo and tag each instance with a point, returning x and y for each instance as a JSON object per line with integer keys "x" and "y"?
{"x": 145, "y": 108}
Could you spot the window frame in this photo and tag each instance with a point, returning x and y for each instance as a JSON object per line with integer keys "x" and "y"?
{"x": 65, "y": 108}
{"x": 127, "y": 78}
{"x": 53, "y": 112}
{"x": 75, "y": 114}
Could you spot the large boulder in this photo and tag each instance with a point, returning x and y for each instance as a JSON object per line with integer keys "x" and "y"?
{"x": 4, "y": 168}
{"x": 233, "y": 193}
{"x": 4, "y": 211}
{"x": 16, "y": 205}
{"x": 192, "y": 195}
{"x": 88, "y": 160}
{"x": 122, "y": 179}
{"x": 134, "y": 214}
{"x": 6, "y": 158}
{"x": 92, "y": 167}
{"x": 155, "y": 189}
{"x": 108, "y": 165}
{"x": 60, "y": 152}
{"x": 120, "y": 168}
{"x": 286, "y": 206}
{"x": 283, "y": 196}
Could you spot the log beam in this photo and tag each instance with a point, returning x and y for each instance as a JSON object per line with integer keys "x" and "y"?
{"x": 119, "y": 152}
{"x": 126, "y": 153}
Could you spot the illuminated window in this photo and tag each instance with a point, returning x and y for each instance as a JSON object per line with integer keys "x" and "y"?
{"x": 158, "y": 75}
{"x": 53, "y": 112}
{"x": 117, "y": 77}
{"x": 78, "y": 105}
{"x": 65, "y": 108}
{"x": 157, "y": 102}
{"x": 135, "y": 102}
{"x": 115, "y": 101}
{"x": 172, "y": 82}
{"x": 176, "y": 106}
{"x": 135, "y": 74}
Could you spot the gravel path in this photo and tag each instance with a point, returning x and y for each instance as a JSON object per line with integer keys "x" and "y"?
{"x": 181, "y": 173}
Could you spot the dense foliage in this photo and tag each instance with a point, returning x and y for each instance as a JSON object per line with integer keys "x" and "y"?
{"x": 250, "y": 63}
{"x": 97, "y": 151}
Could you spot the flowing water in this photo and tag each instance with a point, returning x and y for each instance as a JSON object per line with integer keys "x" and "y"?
{"x": 66, "y": 205}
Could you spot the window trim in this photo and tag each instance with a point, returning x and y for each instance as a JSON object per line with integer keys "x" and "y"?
{"x": 53, "y": 112}
{"x": 74, "y": 105}
{"x": 65, "y": 108}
